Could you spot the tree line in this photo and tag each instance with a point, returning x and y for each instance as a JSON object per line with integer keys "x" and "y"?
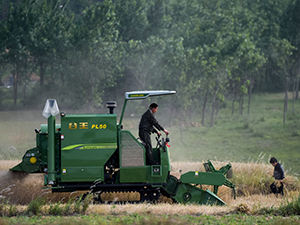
{"x": 86, "y": 52}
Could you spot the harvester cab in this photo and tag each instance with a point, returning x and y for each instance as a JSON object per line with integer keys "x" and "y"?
{"x": 92, "y": 152}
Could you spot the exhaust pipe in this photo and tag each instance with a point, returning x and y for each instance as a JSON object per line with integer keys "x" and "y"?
{"x": 111, "y": 105}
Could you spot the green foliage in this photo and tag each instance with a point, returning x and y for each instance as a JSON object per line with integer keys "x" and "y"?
{"x": 206, "y": 50}
{"x": 259, "y": 134}
{"x": 295, "y": 134}
{"x": 246, "y": 125}
{"x": 55, "y": 209}
{"x": 133, "y": 19}
{"x": 12, "y": 211}
{"x": 68, "y": 207}
{"x": 82, "y": 203}
{"x": 35, "y": 206}
{"x": 288, "y": 208}
{"x": 86, "y": 201}
{"x": 77, "y": 205}
{"x": 2, "y": 206}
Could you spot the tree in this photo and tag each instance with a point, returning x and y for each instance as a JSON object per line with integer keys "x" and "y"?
{"x": 290, "y": 30}
{"x": 49, "y": 36}
{"x": 18, "y": 26}
{"x": 282, "y": 50}
{"x": 95, "y": 60}
{"x": 132, "y": 18}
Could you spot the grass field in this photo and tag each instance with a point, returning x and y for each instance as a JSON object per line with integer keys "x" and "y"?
{"x": 244, "y": 138}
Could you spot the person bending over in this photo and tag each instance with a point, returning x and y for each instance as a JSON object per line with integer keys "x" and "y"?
{"x": 277, "y": 185}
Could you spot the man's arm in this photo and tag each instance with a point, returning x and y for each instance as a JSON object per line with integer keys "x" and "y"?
{"x": 155, "y": 123}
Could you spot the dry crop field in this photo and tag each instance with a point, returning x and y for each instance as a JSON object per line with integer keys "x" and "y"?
{"x": 23, "y": 201}
{"x": 252, "y": 182}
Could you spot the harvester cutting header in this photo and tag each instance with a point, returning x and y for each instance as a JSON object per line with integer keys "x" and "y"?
{"x": 92, "y": 152}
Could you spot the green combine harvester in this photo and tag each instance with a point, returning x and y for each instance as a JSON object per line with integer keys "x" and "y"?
{"x": 92, "y": 152}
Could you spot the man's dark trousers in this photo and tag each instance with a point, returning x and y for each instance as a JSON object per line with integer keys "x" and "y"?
{"x": 145, "y": 137}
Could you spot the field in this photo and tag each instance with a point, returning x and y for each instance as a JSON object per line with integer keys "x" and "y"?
{"x": 246, "y": 141}
{"x": 24, "y": 202}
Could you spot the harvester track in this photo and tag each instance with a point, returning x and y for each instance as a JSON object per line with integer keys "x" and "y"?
{"x": 147, "y": 192}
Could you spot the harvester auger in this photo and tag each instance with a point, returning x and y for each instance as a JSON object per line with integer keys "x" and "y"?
{"x": 92, "y": 152}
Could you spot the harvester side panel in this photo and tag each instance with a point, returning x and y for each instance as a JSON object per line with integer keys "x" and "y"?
{"x": 88, "y": 129}
{"x": 88, "y": 143}
{"x": 133, "y": 175}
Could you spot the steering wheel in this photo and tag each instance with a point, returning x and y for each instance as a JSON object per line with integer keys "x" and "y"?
{"x": 162, "y": 142}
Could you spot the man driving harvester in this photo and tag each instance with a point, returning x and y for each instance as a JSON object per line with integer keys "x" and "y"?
{"x": 147, "y": 126}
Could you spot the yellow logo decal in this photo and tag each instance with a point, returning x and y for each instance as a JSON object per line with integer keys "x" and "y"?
{"x": 72, "y": 126}
{"x": 99, "y": 126}
{"x": 83, "y": 125}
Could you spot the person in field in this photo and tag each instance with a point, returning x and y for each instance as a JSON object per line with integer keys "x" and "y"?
{"x": 147, "y": 125}
{"x": 278, "y": 174}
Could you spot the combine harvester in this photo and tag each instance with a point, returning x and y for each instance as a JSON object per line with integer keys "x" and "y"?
{"x": 92, "y": 152}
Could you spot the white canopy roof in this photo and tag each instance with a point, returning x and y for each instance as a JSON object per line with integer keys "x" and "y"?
{"x": 145, "y": 94}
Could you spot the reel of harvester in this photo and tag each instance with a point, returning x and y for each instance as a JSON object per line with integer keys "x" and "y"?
{"x": 185, "y": 190}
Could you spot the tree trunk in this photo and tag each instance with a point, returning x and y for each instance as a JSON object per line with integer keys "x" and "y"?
{"x": 217, "y": 108}
{"x": 297, "y": 87}
{"x": 1, "y": 99}
{"x": 294, "y": 90}
{"x": 261, "y": 82}
{"x": 241, "y": 102}
{"x": 297, "y": 80}
{"x": 286, "y": 96}
{"x": 232, "y": 107}
{"x": 213, "y": 108}
{"x": 42, "y": 71}
{"x": 24, "y": 91}
{"x": 249, "y": 94}
{"x": 15, "y": 74}
{"x": 204, "y": 106}
{"x": 62, "y": 77}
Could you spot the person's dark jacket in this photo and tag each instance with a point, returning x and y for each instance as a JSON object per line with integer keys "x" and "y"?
{"x": 278, "y": 172}
{"x": 148, "y": 122}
